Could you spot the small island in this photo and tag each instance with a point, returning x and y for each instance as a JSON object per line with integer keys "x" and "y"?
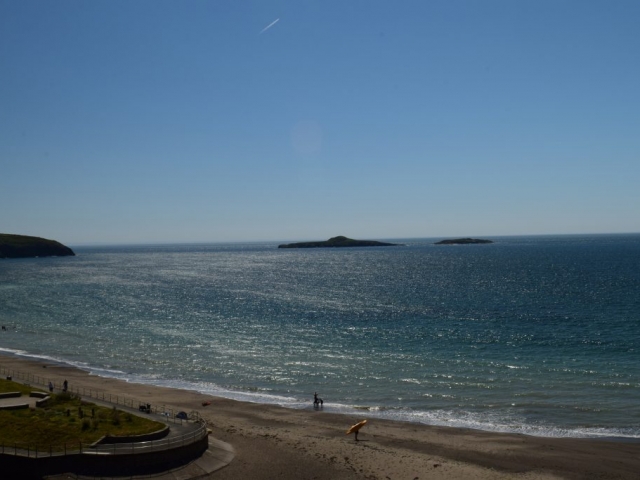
{"x": 339, "y": 241}
{"x": 23, "y": 246}
{"x": 462, "y": 241}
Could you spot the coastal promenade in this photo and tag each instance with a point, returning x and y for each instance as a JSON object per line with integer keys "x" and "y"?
{"x": 181, "y": 451}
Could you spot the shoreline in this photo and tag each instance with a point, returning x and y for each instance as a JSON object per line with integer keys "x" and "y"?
{"x": 273, "y": 441}
{"x": 296, "y": 405}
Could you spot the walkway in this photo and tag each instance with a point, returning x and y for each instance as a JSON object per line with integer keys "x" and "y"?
{"x": 218, "y": 455}
{"x": 23, "y": 400}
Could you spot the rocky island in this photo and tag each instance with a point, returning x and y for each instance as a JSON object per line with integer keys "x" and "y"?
{"x": 339, "y": 241}
{"x": 23, "y": 246}
{"x": 462, "y": 241}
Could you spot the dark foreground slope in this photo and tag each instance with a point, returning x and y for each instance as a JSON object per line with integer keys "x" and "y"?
{"x": 22, "y": 246}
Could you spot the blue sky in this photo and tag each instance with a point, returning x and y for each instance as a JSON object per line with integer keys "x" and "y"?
{"x": 173, "y": 121}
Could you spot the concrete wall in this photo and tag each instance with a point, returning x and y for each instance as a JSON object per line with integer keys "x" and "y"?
{"x": 21, "y": 406}
{"x": 22, "y": 468}
{"x": 10, "y": 395}
{"x": 147, "y": 437}
{"x": 39, "y": 394}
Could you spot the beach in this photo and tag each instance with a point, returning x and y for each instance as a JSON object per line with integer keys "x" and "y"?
{"x": 275, "y": 442}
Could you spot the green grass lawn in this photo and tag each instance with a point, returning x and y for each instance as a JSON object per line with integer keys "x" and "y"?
{"x": 8, "y": 386}
{"x": 65, "y": 420}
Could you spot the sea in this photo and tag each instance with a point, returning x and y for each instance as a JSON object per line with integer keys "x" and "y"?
{"x": 535, "y": 335}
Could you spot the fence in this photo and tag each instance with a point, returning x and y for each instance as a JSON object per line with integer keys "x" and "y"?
{"x": 29, "y": 379}
{"x": 133, "y": 448}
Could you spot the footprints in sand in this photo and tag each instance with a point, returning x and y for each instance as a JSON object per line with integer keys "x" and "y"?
{"x": 273, "y": 436}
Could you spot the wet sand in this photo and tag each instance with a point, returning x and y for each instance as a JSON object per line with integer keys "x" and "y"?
{"x": 274, "y": 442}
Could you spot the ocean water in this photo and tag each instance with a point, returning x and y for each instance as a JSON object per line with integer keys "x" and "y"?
{"x": 535, "y": 335}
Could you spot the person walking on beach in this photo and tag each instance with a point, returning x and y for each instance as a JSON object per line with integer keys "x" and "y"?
{"x": 356, "y": 428}
{"x": 64, "y": 386}
{"x": 50, "y": 387}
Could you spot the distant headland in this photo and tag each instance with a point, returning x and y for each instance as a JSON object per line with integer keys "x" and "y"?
{"x": 339, "y": 241}
{"x": 462, "y": 241}
{"x": 23, "y": 246}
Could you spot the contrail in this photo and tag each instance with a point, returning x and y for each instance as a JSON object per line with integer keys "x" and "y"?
{"x": 269, "y": 26}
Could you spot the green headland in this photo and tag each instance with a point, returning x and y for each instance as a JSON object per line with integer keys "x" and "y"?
{"x": 23, "y": 246}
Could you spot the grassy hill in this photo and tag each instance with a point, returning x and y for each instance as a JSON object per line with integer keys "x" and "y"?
{"x": 65, "y": 419}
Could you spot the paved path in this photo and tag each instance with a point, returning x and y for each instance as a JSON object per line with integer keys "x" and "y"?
{"x": 24, "y": 399}
{"x": 218, "y": 455}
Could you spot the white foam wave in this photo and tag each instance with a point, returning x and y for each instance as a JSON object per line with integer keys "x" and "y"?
{"x": 49, "y": 358}
{"x": 486, "y": 421}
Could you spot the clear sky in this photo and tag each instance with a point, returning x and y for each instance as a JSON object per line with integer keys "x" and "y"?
{"x": 197, "y": 121}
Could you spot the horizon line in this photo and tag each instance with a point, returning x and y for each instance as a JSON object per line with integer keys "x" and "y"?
{"x": 262, "y": 241}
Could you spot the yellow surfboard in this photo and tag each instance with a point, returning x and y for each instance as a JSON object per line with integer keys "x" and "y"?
{"x": 356, "y": 427}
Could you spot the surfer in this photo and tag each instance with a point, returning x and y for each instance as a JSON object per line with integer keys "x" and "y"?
{"x": 356, "y": 428}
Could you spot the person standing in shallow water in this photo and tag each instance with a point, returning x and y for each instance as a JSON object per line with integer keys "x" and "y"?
{"x": 317, "y": 401}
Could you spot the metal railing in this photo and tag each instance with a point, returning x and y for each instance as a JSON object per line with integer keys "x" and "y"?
{"x": 131, "y": 448}
{"x": 166, "y": 411}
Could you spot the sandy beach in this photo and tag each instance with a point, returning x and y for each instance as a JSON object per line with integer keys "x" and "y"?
{"x": 274, "y": 442}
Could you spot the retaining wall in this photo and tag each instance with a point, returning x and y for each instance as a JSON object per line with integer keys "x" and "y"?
{"x": 100, "y": 464}
{"x": 147, "y": 437}
{"x": 10, "y": 395}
